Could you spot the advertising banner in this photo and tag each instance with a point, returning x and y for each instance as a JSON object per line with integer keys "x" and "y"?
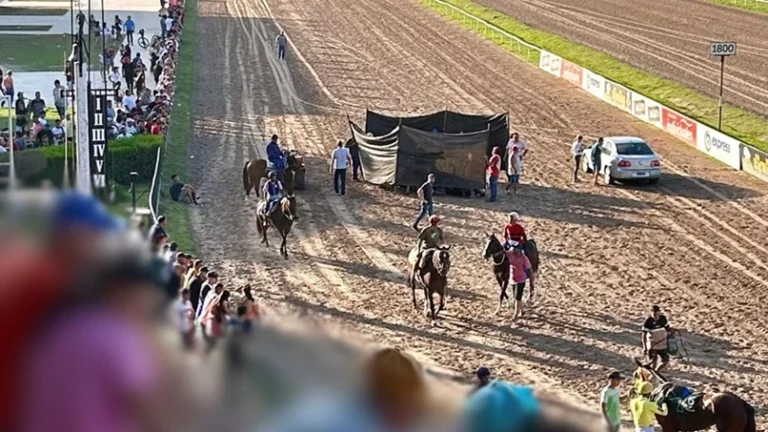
{"x": 572, "y": 73}
{"x": 719, "y": 146}
{"x": 97, "y": 134}
{"x": 647, "y": 110}
{"x": 679, "y": 125}
{"x": 618, "y": 96}
{"x": 593, "y": 84}
{"x": 550, "y": 63}
{"x": 754, "y": 162}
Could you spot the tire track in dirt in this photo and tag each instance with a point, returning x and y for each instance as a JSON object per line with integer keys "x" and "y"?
{"x": 607, "y": 25}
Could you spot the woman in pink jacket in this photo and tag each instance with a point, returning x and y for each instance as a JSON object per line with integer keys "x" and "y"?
{"x": 521, "y": 270}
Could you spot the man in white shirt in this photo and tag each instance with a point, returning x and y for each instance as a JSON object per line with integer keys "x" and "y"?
{"x": 340, "y": 159}
{"x": 130, "y": 127}
{"x": 577, "y": 150}
{"x": 114, "y": 78}
{"x": 168, "y": 24}
{"x": 58, "y": 133}
{"x": 515, "y": 141}
{"x": 129, "y": 102}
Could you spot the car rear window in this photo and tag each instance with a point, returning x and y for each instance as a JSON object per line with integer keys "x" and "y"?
{"x": 633, "y": 148}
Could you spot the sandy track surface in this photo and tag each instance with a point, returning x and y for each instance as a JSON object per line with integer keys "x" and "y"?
{"x": 695, "y": 244}
{"x": 667, "y": 37}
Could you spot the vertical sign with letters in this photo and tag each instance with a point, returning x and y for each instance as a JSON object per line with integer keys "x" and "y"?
{"x": 97, "y": 136}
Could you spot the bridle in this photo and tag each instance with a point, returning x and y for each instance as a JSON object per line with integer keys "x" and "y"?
{"x": 441, "y": 267}
{"x": 495, "y": 254}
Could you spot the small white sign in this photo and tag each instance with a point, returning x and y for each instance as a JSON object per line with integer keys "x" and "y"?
{"x": 722, "y": 48}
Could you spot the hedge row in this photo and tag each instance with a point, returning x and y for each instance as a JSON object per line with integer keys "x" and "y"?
{"x": 137, "y": 154}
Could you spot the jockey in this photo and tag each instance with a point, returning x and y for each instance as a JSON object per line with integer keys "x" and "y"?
{"x": 275, "y": 157}
{"x": 644, "y": 410}
{"x": 273, "y": 190}
{"x": 430, "y": 238}
{"x": 514, "y": 233}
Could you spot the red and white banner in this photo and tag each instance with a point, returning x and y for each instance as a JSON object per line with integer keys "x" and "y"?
{"x": 678, "y": 125}
{"x": 572, "y": 73}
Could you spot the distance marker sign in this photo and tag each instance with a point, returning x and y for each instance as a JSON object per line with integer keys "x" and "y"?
{"x": 722, "y": 48}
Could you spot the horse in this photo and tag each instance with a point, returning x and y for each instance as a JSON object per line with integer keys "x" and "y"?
{"x": 255, "y": 173}
{"x": 698, "y": 411}
{"x": 432, "y": 276}
{"x": 494, "y": 250}
{"x": 281, "y": 218}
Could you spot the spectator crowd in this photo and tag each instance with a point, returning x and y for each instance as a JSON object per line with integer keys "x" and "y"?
{"x": 133, "y": 110}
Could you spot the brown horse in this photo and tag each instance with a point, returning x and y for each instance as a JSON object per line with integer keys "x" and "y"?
{"x": 255, "y": 173}
{"x": 698, "y": 411}
{"x": 281, "y": 218}
{"x": 493, "y": 249}
{"x": 432, "y": 276}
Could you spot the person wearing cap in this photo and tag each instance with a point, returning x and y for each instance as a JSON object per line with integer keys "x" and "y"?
{"x": 275, "y": 158}
{"x": 655, "y": 332}
{"x": 493, "y": 167}
{"x": 483, "y": 375}
{"x": 501, "y": 407}
{"x": 429, "y": 239}
{"x": 274, "y": 192}
{"x": 514, "y": 232}
{"x": 610, "y": 402}
{"x": 644, "y": 411}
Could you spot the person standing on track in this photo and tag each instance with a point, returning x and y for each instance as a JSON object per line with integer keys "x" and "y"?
{"x": 340, "y": 159}
{"x": 521, "y": 271}
{"x": 494, "y": 167}
{"x": 597, "y": 158}
{"x": 655, "y": 335}
{"x": 610, "y": 402}
{"x": 514, "y": 169}
{"x": 282, "y": 43}
{"x": 425, "y": 193}
{"x": 515, "y": 141}
{"x": 577, "y": 150}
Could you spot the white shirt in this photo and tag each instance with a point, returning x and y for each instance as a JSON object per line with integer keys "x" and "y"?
{"x": 58, "y": 131}
{"x": 339, "y": 157}
{"x": 515, "y": 165}
{"x": 521, "y": 145}
{"x": 129, "y": 102}
{"x": 131, "y": 130}
{"x": 3, "y": 150}
{"x": 577, "y": 148}
{"x": 168, "y": 24}
{"x": 184, "y": 315}
{"x": 115, "y": 78}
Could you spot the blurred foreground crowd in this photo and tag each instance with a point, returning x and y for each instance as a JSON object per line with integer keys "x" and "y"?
{"x": 99, "y": 320}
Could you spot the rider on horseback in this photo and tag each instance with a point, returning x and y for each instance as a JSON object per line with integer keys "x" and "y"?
{"x": 274, "y": 192}
{"x": 514, "y": 233}
{"x": 430, "y": 238}
{"x": 276, "y": 158}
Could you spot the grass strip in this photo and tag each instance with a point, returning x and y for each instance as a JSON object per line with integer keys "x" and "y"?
{"x": 31, "y": 11}
{"x": 749, "y": 5}
{"x": 44, "y": 53}
{"x": 748, "y": 127}
{"x": 176, "y": 153}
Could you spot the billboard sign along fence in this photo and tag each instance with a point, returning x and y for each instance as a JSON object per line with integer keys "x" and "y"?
{"x": 678, "y": 125}
{"x": 618, "y": 96}
{"x": 572, "y": 73}
{"x": 550, "y": 63}
{"x": 719, "y": 146}
{"x": 647, "y": 110}
{"x": 754, "y": 162}
{"x": 594, "y": 84}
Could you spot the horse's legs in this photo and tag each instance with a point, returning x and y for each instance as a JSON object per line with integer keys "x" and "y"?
{"x": 284, "y": 245}
{"x": 413, "y": 294}
{"x": 502, "y": 293}
{"x": 532, "y": 285}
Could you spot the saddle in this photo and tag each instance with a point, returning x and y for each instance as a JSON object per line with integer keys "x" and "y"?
{"x": 681, "y": 400}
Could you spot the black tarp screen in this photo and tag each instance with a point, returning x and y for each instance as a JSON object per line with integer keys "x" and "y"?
{"x": 445, "y": 122}
{"x": 457, "y": 160}
{"x": 378, "y": 155}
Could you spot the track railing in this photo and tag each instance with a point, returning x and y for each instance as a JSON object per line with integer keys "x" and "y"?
{"x": 154, "y": 188}
{"x": 504, "y": 37}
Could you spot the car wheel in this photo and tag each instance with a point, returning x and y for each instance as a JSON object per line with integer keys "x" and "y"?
{"x": 653, "y": 181}
{"x": 607, "y": 176}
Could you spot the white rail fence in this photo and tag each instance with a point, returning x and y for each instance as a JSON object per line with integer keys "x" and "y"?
{"x": 154, "y": 188}
{"x": 475, "y": 23}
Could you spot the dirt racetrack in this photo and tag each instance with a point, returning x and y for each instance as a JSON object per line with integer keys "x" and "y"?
{"x": 694, "y": 244}
{"x": 669, "y": 38}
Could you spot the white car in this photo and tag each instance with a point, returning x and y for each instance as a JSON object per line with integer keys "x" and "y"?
{"x": 624, "y": 158}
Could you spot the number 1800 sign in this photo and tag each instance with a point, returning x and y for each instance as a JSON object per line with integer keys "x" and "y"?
{"x": 722, "y": 48}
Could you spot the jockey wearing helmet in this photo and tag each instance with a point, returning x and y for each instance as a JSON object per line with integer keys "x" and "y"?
{"x": 514, "y": 233}
{"x": 430, "y": 238}
{"x": 273, "y": 191}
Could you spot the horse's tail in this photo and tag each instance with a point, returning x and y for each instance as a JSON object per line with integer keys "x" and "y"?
{"x": 246, "y": 183}
{"x": 534, "y": 254}
{"x": 750, "y": 426}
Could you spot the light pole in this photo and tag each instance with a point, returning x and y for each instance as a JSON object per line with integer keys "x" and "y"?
{"x": 5, "y": 101}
